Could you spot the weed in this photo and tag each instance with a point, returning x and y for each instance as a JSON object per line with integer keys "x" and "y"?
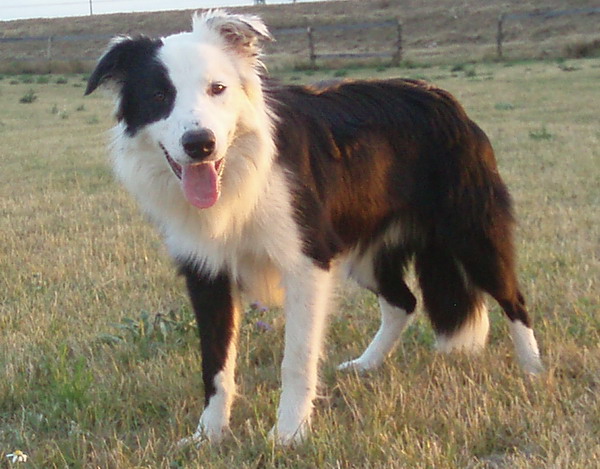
{"x": 80, "y": 108}
{"x": 27, "y": 79}
{"x": 28, "y": 97}
{"x": 504, "y": 106}
{"x": 305, "y": 66}
{"x": 409, "y": 64}
{"x": 42, "y": 80}
{"x": 149, "y": 328}
{"x": 63, "y": 383}
{"x": 62, "y": 81}
{"x": 540, "y": 134}
{"x": 568, "y": 68}
{"x": 467, "y": 69}
{"x": 584, "y": 49}
{"x": 54, "y": 109}
{"x": 340, "y": 73}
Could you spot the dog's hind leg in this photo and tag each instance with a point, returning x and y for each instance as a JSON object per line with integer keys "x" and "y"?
{"x": 526, "y": 346}
{"x": 397, "y": 305}
{"x": 393, "y": 321}
{"x": 306, "y": 303}
{"x": 490, "y": 266}
{"x": 216, "y": 307}
{"x": 454, "y": 306}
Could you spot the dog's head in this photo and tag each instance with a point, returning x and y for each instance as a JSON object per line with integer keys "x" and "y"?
{"x": 190, "y": 95}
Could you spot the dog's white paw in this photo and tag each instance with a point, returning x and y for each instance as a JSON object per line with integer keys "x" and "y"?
{"x": 209, "y": 430}
{"x": 358, "y": 365}
{"x": 289, "y": 437}
{"x": 201, "y": 437}
{"x": 532, "y": 366}
{"x": 196, "y": 440}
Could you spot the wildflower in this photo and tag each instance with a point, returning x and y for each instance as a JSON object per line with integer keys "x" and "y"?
{"x": 17, "y": 456}
{"x": 263, "y": 326}
{"x": 258, "y": 307}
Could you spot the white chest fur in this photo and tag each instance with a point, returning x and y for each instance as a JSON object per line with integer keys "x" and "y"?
{"x": 250, "y": 233}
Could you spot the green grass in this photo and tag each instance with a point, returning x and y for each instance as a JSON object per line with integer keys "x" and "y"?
{"x": 28, "y": 97}
{"x": 540, "y": 134}
{"x": 98, "y": 359}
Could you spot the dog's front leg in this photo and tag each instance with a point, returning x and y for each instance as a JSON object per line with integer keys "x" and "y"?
{"x": 307, "y": 295}
{"x": 216, "y": 308}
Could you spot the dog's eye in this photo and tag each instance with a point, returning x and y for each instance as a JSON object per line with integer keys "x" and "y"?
{"x": 217, "y": 89}
{"x": 159, "y": 96}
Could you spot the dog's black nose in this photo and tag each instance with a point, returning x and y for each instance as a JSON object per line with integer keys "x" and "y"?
{"x": 198, "y": 144}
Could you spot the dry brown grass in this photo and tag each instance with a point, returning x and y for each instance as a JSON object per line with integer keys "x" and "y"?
{"x": 76, "y": 259}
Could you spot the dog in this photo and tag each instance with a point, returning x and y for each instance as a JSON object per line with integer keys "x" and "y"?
{"x": 269, "y": 190}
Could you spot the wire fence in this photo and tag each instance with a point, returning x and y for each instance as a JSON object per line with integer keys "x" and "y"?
{"x": 375, "y": 40}
{"x": 50, "y": 50}
{"x": 541, "y": 15}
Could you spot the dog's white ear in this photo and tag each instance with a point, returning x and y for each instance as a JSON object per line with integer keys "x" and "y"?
{"x": 242, "y": 33}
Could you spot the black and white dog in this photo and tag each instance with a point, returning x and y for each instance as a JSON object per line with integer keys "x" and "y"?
{"x": 268, "y": 190}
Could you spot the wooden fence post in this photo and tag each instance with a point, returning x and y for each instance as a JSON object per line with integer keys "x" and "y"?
{"x": 311, "y": 47}
{"x": 49, "y": 54}
{"x": 397, "y": 57}
{"x": 500, "y": 35}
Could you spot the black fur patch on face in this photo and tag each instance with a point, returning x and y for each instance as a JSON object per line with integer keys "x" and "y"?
{"x": 146, "y": 92}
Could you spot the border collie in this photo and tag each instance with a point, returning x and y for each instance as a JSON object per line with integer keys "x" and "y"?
{"x": 268, "y": 190}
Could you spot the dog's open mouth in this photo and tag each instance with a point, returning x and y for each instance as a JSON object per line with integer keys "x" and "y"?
{"x": 201, "y": 182}
{"x": 176, "y": 167}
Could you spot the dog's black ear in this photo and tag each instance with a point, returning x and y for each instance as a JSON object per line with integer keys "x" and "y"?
{"x": 122, "y": 55}
{"x": 242, "y": 33}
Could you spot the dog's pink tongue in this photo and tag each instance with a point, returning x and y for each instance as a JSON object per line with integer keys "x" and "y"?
{"x": 201, "y": 184}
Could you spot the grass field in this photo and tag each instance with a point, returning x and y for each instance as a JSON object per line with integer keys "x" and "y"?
{"x": 98, "y": 355}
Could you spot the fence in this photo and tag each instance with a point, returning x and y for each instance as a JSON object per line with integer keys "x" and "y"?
{"x": 50, "y": 40}
{"x": 543, "y": 15}
{"x": 42, "y": 58}
{"x": 394, "y": 52}
{"x": 316, "y": 46}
